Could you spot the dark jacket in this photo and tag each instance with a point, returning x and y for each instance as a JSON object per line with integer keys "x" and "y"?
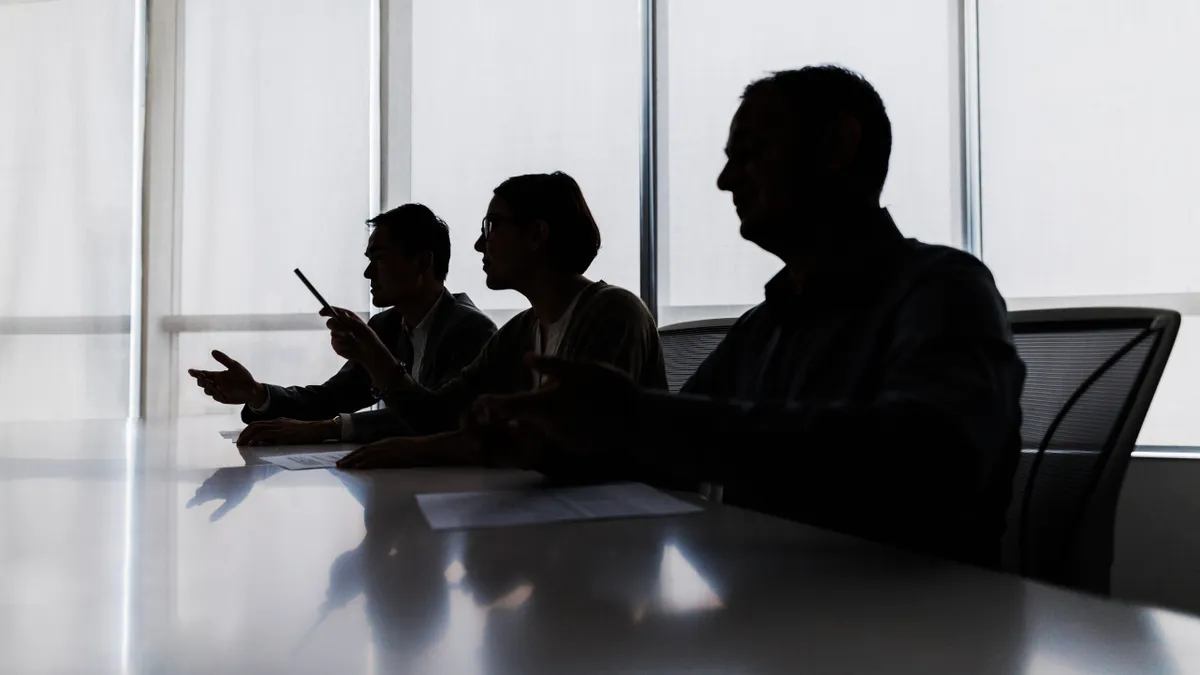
{"x": 882, "y": 400}
{"x": 457, "y": 332}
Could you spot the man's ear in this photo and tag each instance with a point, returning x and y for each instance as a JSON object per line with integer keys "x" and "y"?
{"x": 541, "y": 233}
{"x": 847, "y": 134}
{"x": 425, "y": 262}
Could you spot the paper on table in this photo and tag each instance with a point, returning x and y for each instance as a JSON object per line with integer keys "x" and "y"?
{"x": 458, "y": 510}
{"x": 231, "y": 435}
{"x": 307, "y": 460}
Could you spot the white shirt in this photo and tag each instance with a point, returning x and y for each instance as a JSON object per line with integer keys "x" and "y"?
{"x": 554, "y": 336}
{"x": 419, "y": 337}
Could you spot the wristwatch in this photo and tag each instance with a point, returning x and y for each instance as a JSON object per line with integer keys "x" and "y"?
{"x": 381, "y": 394}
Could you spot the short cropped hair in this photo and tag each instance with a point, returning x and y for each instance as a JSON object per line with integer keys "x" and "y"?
{"x": 574, "y": 238}
{"x": 417, "y": 229}
{"x": 817, "y": 95}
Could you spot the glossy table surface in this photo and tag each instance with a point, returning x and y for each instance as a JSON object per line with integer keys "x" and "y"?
{"x": 163, "y": 549}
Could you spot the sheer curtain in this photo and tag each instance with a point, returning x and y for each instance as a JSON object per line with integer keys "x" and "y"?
{"x": 67, "y": 214}
{"x": 275, "y": 175}
{"x": 1089, "y": 149}
{"x": 527, "y": 86}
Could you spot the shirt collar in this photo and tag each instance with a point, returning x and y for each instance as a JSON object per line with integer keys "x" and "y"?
{"x": 426, "y": 322}
{"x": 861, "y": 259}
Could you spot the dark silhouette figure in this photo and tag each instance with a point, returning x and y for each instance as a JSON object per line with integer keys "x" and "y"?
{"x": 538, "y": 238}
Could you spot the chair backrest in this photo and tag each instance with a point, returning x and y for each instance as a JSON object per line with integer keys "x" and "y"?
{"x": 686, "y": 345}
{"x": 1091, "y": 374}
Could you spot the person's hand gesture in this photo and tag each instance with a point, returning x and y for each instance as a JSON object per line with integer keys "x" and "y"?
{"x": 234, "y": 385}
{"x": 583, "y": 406}
{"x": 231, "y": 484}
{"x": 354, "y": 340}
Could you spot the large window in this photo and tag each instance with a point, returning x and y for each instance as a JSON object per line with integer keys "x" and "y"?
{"x": 1089, "y": 150}
{"x": 526, "y": 86}
{"x": 714, "y": 48}
{"x": 275, "y": 175}
{"x": 67, "y": 82}
{"x": 274, "y": 128}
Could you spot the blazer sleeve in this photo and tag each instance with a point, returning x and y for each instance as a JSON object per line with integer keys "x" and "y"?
{"x": 347, "y": 391}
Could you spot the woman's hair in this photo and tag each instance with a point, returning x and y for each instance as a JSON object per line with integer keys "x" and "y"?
{"x": 574, "y": 238}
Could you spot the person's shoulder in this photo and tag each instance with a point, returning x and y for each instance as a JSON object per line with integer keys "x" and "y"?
{"x": 466, "y": 315}
{"x": 937, "y": 263}
{"x": 948, "y": 282}
{"x": 521, "y": 322}
{"x": 383, "y": 319}
{"x": 616, "y": 299}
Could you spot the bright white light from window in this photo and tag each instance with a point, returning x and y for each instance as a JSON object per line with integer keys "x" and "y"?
{"x": 455, "y": 573}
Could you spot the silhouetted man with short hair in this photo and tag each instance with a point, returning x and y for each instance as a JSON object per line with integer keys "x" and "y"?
{"x": 432, "y": 332}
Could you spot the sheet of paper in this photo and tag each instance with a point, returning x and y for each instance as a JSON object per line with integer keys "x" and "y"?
{"x": 231, "y": 435}
{"x": 459, "y": 510}
{"x": 307, "y": 460}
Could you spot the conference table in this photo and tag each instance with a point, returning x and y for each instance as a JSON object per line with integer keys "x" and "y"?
{"x": 132, "y": 547}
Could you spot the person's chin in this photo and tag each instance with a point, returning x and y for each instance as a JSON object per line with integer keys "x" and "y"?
{"x": 495, "y": 283}
{"x": 380, "y": 301}
{"x": 753, "y": 229}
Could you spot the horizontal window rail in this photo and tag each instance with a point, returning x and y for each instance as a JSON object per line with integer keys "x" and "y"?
{"x": 182, "y": 323}
{"x": 1187, "y": 304}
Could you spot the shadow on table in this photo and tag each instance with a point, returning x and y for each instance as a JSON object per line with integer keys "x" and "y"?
{"x": 232, "y": 484}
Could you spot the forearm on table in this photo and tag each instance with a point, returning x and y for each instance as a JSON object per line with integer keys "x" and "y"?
{"x": 868, "y": 446}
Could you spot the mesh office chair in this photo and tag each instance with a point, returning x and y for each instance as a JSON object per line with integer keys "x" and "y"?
{"x": 1091, "y": 375}
{"x": 686, "y": 345}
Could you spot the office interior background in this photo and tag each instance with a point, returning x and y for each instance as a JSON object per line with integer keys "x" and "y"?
{"x": 168, "y": 162}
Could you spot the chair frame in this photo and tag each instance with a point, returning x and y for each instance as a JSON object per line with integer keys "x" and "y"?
{"x": 725, "y": 323}
{"x": 1097, "y": 512}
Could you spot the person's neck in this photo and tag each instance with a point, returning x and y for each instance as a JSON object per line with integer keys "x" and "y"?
{"x": 840, "y": 233}
{"x": 418, "y": 307}
{"x": 551, "y": 297}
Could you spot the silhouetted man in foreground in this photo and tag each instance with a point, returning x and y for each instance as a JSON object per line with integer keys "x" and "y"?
{"x": 874, "y": 391}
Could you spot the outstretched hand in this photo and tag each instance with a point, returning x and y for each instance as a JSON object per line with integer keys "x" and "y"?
{"x": 234, "y": 385}
{"x": 583, "y": 406}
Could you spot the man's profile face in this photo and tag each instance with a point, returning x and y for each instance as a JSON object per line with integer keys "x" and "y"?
{"x": 777, "y": 174}
{"x": 394, "y": 275}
